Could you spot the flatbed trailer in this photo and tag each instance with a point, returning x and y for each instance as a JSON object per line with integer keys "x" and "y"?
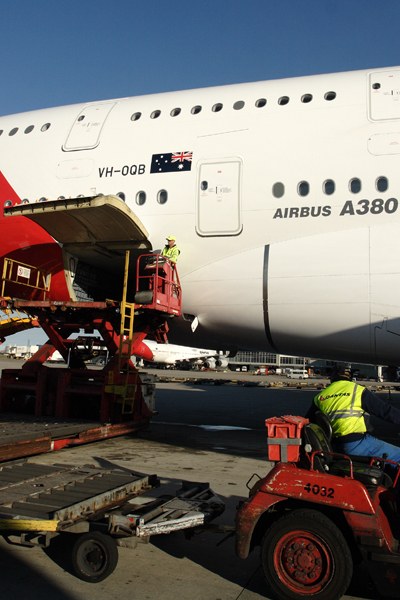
{"x": 39, "y": 502}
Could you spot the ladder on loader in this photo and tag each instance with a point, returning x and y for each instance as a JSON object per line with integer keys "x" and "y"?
{"x": 126, "y": 392}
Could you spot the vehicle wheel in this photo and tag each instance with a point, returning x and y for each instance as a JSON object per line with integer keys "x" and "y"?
{"x": 304, "y": 554}
{"x": 94, "y": 556}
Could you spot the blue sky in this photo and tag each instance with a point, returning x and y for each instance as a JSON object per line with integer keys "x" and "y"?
{"x": 54, "y": 53}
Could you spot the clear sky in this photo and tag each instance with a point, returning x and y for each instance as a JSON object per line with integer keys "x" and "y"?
{"x": 54, "y": 53}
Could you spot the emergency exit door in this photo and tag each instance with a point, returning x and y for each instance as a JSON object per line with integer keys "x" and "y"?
{"x": 218, "y": 198}
{"x": 85, "y": 131}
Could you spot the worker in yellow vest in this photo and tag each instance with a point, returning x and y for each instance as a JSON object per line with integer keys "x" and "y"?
{"x": 171, "y": 250}
{"x": 347, "y": 405}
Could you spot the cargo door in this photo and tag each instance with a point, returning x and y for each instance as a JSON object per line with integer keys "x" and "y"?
{"x": 218, "y": 211}
{"x": 85, "y": 131}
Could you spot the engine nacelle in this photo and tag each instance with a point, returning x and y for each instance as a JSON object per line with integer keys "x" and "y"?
{"x": 210, "y": 363}
{"x": 221, "y": 362}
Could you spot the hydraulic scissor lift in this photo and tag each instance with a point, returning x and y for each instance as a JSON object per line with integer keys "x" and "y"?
{"x": 117, "y": 397}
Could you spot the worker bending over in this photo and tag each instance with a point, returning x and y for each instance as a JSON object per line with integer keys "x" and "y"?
{"x": 346, "y": 405}
{"x": 171, "y": 250}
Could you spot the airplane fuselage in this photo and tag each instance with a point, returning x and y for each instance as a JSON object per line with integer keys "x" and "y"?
{"x": 283, "y": 197}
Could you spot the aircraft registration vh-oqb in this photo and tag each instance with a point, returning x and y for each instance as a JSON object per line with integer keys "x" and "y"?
{"x": 283, "y": 197}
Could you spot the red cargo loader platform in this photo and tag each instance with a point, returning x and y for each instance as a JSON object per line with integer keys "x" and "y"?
{"x": 77, "y": 404}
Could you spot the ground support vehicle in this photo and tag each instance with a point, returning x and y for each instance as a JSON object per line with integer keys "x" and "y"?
{"x": 316, "y": 513}
{"x": 40, "y": 502}
{"x": 114, "y": 400}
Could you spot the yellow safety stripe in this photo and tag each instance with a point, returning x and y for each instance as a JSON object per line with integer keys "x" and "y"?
{"x": 28, "y": 525}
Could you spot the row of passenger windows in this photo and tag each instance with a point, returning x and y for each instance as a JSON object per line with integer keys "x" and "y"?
{"x": 29, "y": 129}
{"x": 278, "y": 191}
{"x": 260, "y": 103}
{"x": 329, "y": 187}
{"x": 140, "y": 198}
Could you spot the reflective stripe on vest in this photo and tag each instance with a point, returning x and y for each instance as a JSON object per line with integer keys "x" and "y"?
{"x": 341, "y": 402}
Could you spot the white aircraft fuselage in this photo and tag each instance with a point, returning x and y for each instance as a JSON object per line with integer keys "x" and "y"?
{"x": 283, "y": 197}
{"x": 171, "y": 354}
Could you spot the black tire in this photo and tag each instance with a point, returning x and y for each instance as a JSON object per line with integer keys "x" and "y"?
{"x": 305, "y": 555}
{"x": 94, "y": 556}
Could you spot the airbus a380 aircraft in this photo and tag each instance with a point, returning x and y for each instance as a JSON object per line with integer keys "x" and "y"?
{"x": 283, "y": 196}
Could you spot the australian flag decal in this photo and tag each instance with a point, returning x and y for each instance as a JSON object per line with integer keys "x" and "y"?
{"x": 172, "y": 162}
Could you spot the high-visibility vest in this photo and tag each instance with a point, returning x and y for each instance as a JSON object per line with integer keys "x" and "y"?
{"x": 171, "y": 253}
{"x": 341, "y": 402}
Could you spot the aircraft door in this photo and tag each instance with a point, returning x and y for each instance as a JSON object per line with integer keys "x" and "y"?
{"x": 218, "y": 202}
{"x": 85, "y": 131}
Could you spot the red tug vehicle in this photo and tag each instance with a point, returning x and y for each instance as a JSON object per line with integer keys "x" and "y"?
{"x": 318, "y": 512}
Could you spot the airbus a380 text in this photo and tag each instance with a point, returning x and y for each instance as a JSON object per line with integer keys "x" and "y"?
{"x": 283, "y": 196}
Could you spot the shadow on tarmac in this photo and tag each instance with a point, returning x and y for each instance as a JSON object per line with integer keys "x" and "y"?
{"x": 16, "y": 572}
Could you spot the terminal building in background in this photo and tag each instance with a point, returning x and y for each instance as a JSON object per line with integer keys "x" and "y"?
{"x": 280, "y": 363}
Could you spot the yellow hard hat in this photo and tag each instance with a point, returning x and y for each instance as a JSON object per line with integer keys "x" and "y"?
{"x": 171, "y": 238}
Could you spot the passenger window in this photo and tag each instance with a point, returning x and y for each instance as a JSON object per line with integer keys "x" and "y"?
{"x": 303, "y": 188}
{"x": 140, "y": 198}
{"x": 204, "y": 185}
{"x": 376, "y": 86}
{"x": 81, "y": 117}
{"x": 25, "y": 201}
{"x": 329, "y": 187}
{"x": 283, "y": 100}
{"x": 278, "y": 189}
{"x": 121, "y": 195}
{"x": 29, "y": 129}
{"x": 1, "y": 131}
{"x": 7, "y": 203}
{"x": 261, "y": 102}
{"x": 238, "y": 105}
{"x": 330, "y": 95}
{"x": 13, "y": 131}
{"x": 382, "y": 184}
{"x": 175, "y": 112}
{"x": 155, "y": 114}
{"x": 355, "y": 185}
{"x": 45, "y": 127}
{"x": 217, "y": 107}
{"x": 306, "y": 98}
{"x": 195, "y": 110}
{"x": 162, "y": 196}
{"x": 136, "y": 116}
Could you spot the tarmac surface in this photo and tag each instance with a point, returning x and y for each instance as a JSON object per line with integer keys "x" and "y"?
{"x": 203, "y": 432}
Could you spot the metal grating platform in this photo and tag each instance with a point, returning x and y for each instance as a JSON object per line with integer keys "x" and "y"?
{"x": 65, "y": 492}
{"x": 16, "y": 428}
